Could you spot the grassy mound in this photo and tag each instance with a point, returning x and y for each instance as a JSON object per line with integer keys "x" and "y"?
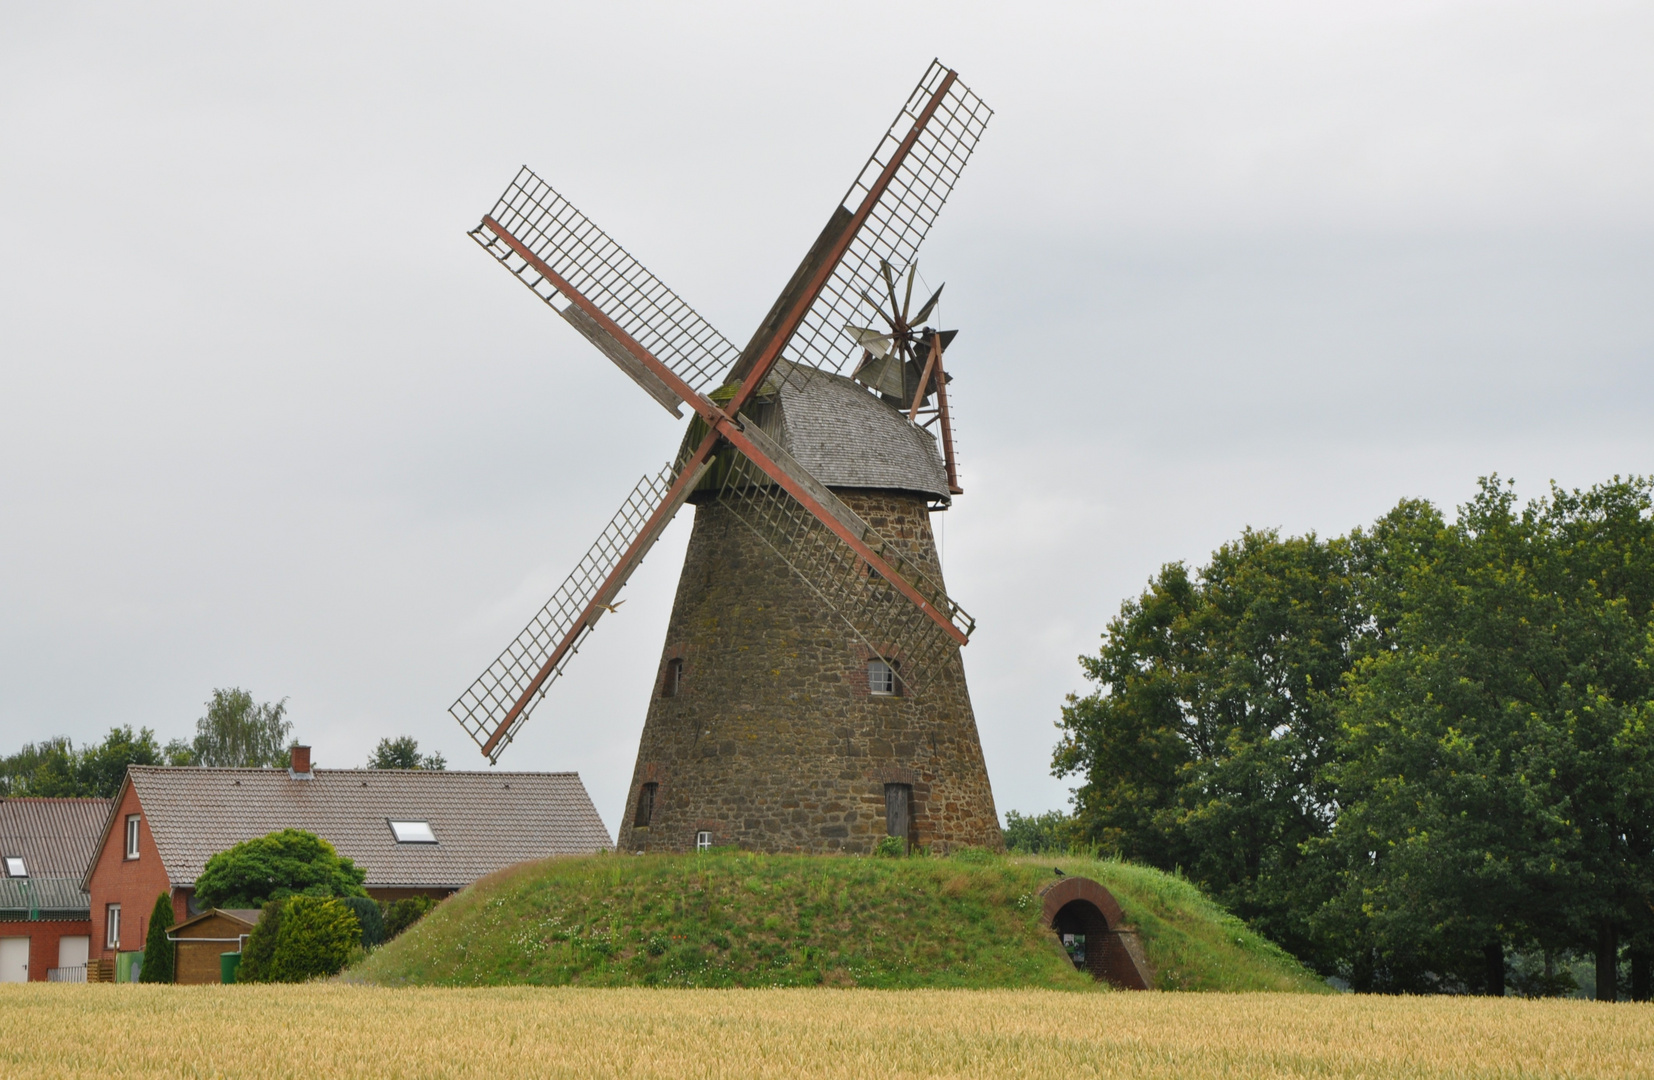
{"x": 736, "y": 919}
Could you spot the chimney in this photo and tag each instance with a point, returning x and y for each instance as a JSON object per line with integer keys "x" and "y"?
{"x": 301, "y": 762}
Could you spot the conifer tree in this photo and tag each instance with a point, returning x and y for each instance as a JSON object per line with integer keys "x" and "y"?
{"x": 160, "y": 955}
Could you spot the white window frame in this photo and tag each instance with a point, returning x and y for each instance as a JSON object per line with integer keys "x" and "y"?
{"x": 15, "y": 866}
{"x": 132, "y": 835}
{"x": 703, "y": 840}
{"x": 881, "y": 678}
{"x": 112, "y": 926}
{"x": 411, "y": 825}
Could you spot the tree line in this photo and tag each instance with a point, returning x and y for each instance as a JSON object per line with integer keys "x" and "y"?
{"x": 235, "y": 732}
{"x": 1420, "y": 756}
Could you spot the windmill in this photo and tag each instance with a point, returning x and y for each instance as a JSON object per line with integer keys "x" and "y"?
{"x": 811, "y": 627}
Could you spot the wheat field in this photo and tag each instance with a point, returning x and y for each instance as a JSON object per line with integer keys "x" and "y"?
{"x": 324, "y": 1031}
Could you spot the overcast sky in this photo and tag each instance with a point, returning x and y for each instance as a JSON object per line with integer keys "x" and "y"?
{"x": 269, "y": 419}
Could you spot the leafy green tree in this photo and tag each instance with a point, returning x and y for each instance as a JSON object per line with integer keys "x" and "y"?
{"x": 403, "y": 753}
{"x": 1032, "y": 834}
{"x": 316, "y": 938}
{"x": 237, "y": 732}
{"x": 101, "y": 768}
{"x": 1204, "y": 745}
{"x": 160, "y": 955}
{"x": 46, "y": 768}
{"x": 286, "y": 863}
{"x": 53, "y": 768}
{"x": 1491, "y": 770}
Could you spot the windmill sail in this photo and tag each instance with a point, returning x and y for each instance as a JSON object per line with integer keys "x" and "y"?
{"x": 547, "y": 226}
{"x": 495, "y": 705}
{"x": 899, "y": 219}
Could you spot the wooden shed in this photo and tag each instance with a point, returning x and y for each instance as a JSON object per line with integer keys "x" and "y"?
{"x": 207, "y": 936}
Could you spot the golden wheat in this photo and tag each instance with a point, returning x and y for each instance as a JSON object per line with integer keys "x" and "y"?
{"x": 320, "y": 1032}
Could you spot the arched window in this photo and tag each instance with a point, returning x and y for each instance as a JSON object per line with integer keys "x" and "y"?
{"x": 645, "y": 806}
{"x": 672, "y": 684}
{"x": 881, "y": 678}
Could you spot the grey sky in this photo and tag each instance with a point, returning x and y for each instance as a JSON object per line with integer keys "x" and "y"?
{"x": 268, "y": 418}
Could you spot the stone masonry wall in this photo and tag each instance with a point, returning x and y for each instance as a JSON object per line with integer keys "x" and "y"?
{"x": 774, "y": 741}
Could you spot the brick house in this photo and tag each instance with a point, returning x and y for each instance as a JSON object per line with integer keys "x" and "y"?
{"x": 45, "y": 919}
{"x": 414, "y": 831}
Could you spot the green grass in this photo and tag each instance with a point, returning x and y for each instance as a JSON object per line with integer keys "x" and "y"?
{"x": 735, "y": 919}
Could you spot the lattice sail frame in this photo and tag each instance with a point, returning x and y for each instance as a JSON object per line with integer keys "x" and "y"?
{"x": 606, "y": 274}
{"x": 497, "y": 689}
{"x": 887, "y": 623}
{"x": 898, "y": 222}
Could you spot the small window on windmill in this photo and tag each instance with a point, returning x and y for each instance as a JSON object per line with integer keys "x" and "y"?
{"x": 703, "y": 840}
{"x": 645, "y": 806}
{"x": 672, "y": 684}
{"x": 881, "y": 678}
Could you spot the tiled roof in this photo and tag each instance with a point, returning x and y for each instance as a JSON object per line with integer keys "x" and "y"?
{"x": 56, "y": 837}
{"x": 849, "y": 438}
{"x": 483, "y": 821}
{"x": 245, "y": 916}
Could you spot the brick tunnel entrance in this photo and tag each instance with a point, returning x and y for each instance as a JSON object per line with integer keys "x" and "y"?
{"x": 1088, "y": 921}
{"x": 1084, "y": 933}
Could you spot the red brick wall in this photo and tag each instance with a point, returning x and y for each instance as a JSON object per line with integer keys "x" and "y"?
{"x": 132, "y": 883}
{"x": 43, "y": 936}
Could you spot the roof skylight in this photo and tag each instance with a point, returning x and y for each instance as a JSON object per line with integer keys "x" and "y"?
{"x": 413, "y": 832}
{"x": 14, "y": 866}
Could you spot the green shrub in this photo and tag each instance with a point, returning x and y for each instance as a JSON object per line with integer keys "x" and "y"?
{"x": 976, "y": 856}
{"x": 891, "y": 847}
{"x": 160, "y": 955}
{"x": 401, "y": 914}
{"x": 261, "y": 945}
{"x": 372, "y": 919}
{"x": 317, "y": 936}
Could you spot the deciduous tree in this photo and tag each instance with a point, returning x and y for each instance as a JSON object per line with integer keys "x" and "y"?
{"x": 403, "y": 753}
{"x": 291, "y": 862}
{"x": 237, "y": 732}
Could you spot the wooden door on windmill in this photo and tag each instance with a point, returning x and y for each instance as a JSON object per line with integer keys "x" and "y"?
{"x": 898, "y": 810}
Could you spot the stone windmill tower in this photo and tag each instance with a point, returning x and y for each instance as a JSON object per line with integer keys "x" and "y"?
{"x": 810, "y": 695}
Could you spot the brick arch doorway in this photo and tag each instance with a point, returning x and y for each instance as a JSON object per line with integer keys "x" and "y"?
{"x": 1089, "y": 924}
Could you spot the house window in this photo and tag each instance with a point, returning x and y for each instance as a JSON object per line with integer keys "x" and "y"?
{"x": 645, "y": 806}
{"x": 14, "y": 866}
{"x": 881, "y": 678}
{"x": 413, "y": 832}
{"x": 898, "y": 810}
{"x": 132, "y": 836}
{"x": 112, "y": 926}
{"x": 672, "y": 684}
{"x": 703, "y": 840}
